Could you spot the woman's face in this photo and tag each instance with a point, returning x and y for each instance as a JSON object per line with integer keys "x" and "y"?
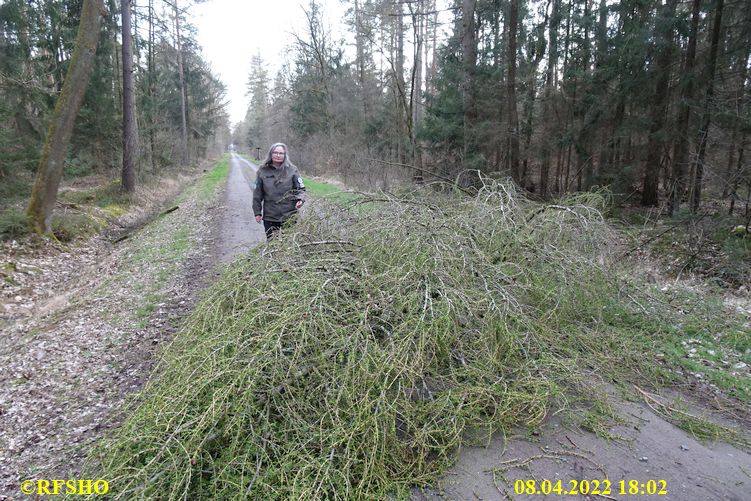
{"x": 277, "y": 156}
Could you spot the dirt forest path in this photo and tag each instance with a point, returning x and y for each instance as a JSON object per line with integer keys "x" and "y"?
{"x": 239, "y": 230}
{"x": 82, "y": 326}
{"x": 83, "y": 337}
{"x": 649, "y": 453}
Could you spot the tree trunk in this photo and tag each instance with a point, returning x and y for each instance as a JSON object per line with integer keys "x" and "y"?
{"x": 360, "y": 62}
{"x": 650, "y": 188}
{"x": 117, "y": 55}
{"x": 513, "y": 114}
{"x": 738, "y": 102}
{"x": 402, "y": 111}
{"x": 529, "y": 103}
{"x": 587, "y": 117}
{"x": 50, "y": 171}
{"x": 680, "y": 155}
{"x": 546, "y": 106}
{"x": 418, "y": 18}
{"x": 183, "y": 93}
{"x": 737, "y": 177}
{"x": 571, "y": 112}
{"x": 430, "y": 41}
{"x": 605, "y": 127}
{"x": 706, "y": 114}
{"x": 130, "y": 126}
{"x": 567, "y": 182}
{"x": 415, "y": 102}
{"x": 731, "y": 160}
{"x": 152, "y": 88}
{"x": 498, "y": 135}
{"x": 469, "y": 63}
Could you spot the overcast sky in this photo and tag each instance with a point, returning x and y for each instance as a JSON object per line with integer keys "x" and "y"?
{"x": 231, "y": 31}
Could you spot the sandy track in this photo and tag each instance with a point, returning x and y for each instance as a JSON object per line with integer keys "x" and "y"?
{"x": 81, "y": 327}
{"x": 650, "y": 449}
{"x": 239, "y": 230}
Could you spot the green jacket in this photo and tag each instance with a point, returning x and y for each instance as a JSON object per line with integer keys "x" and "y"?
{"x": 275, "y": 193}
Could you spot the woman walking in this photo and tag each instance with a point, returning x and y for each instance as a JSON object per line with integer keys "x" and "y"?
{"x": 279, "y": 191}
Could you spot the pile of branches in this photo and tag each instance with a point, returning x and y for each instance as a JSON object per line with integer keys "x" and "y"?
{"x": 353, "y": 356}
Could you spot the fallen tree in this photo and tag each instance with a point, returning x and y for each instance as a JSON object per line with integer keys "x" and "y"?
{"x": 356, "y": 354}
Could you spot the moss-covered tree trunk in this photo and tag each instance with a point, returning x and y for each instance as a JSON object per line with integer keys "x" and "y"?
{"x": 50, "y": 171}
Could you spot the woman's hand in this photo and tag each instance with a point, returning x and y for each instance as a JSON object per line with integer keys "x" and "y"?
{"x": 259, "y": 219}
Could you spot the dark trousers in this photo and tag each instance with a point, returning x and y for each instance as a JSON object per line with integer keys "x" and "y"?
{"x": 272, "y": 228}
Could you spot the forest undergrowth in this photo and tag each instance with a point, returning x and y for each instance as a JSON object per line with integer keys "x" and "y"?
{"x": 355, "y": 355}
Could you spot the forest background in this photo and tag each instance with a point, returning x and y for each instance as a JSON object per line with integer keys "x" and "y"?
{"x": 644, "y": 102}
{"x": 648, "y": 99}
